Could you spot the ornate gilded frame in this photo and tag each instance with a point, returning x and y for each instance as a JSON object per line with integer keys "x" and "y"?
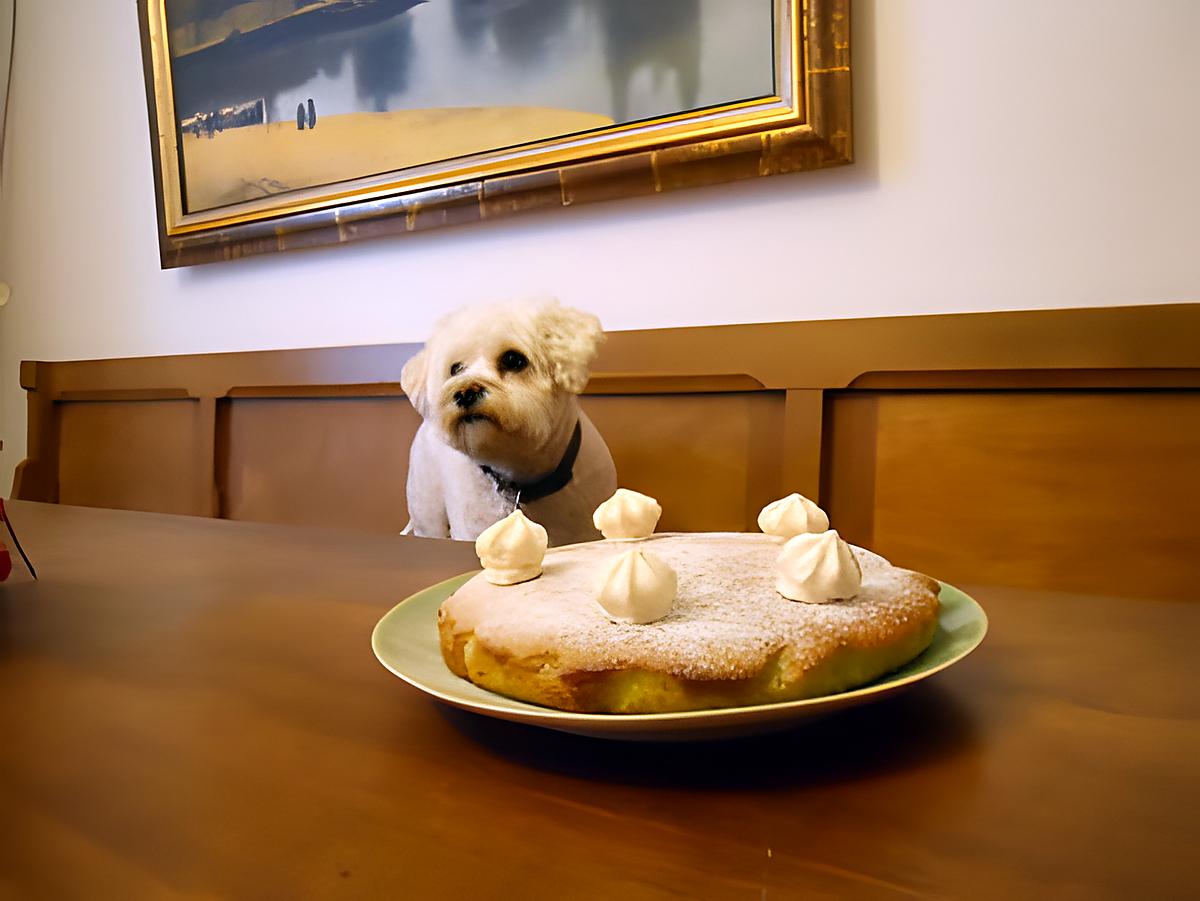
{"x": 807, "y": 126}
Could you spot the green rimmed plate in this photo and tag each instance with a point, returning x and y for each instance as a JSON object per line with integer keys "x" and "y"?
{"x": 406, "y": 642}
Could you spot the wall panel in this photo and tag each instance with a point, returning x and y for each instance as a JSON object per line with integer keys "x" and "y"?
{"x": 712, "y": 459}
{"x": 1092, "y": 491}
{"x": 135, "y": 454}
{"x": 337, "y": 461}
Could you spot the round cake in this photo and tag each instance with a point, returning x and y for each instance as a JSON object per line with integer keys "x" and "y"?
{"x": 729, "y": 639}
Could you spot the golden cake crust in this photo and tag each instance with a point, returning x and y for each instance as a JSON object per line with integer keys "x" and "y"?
{"x": 729, "y": 640}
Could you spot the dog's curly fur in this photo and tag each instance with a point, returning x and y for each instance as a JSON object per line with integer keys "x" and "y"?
{"x": 518, "y": 421}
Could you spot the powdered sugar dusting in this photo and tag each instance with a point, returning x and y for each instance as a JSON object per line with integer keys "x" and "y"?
{"x": 727, "y": 620}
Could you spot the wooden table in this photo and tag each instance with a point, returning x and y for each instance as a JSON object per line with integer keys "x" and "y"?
{"x": 191, "y": 710}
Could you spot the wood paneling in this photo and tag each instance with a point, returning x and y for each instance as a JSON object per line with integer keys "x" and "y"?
{"x": 712, "y": 460}
{"x": 338, "y": 461}
{"x": 850, "y": 438}
{"x": 979, "y": 447}
{"x": 137, "y": 455}
{"x": 1092, "y": 491}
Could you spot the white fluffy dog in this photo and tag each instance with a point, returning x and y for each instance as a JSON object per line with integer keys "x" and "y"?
{"x": 496, "y": 388}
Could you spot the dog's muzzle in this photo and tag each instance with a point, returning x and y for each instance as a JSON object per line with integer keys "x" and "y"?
{"x": 469, "y": 396}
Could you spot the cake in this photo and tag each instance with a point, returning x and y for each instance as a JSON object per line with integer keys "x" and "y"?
{"x": 648, "y": 623}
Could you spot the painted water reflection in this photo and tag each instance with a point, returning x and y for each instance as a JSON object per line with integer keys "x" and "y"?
{"x": 589, "y": 62}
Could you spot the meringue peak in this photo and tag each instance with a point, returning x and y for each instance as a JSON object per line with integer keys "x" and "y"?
{"x": 627, "y": 514}
{"x": 817, "y": 567}
{"x": 638, "y": 587}
{"x": 512, "y": 549}
{"x": 792, "y": 515}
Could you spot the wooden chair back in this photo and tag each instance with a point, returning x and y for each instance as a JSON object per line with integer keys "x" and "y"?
{"x": 1043, "y": 449}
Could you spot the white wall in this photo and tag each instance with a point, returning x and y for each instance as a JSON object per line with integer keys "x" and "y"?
{"x": 1009, "y": 157}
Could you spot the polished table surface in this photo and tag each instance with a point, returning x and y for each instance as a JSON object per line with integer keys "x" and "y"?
{"x": 192, "y": 710}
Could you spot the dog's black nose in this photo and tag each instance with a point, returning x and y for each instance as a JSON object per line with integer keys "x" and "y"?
{"x": 469, "y": 396}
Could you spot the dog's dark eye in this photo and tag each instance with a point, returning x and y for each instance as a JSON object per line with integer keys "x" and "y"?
{"x": 513, "y": 361}
{"x": 455, "y": 368}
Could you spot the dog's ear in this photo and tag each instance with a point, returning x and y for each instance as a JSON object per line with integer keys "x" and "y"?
{"x": 412, "y": 381}
{"x": 570, "y": 340}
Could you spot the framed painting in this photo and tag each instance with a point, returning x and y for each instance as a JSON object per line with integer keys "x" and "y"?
{"x": 278, "y": 124}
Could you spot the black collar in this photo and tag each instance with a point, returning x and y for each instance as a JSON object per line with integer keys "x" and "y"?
{"x": 547, "y": 484}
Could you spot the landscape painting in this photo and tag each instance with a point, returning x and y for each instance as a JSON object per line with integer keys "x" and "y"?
{"x": 275, "y": 96}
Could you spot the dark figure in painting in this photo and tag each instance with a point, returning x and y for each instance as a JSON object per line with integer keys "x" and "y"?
{"x": 300, "y": 116}
{"x": 663, "y": 35}
{"x": 312, "y": 114}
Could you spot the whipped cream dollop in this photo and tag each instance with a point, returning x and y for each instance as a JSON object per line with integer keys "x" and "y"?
{"x": 627, "y": 514}
{"x": 792, "y": 515}
{"x": 512, "y": 549}
{"x": 637, "y": 587}
{"x": 816, "y": 567}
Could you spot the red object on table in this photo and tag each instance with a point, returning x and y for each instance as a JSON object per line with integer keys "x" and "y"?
{"x": 5, "y": 556}
{"x": 6, "y": 563}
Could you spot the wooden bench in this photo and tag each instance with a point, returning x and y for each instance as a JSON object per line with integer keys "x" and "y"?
{"x": 1055, "y": 449}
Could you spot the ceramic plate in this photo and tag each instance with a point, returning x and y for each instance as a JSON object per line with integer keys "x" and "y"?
{"x": 406, "y": 642}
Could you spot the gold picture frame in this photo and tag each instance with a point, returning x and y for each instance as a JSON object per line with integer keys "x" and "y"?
{"x": 805, "y": 124}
